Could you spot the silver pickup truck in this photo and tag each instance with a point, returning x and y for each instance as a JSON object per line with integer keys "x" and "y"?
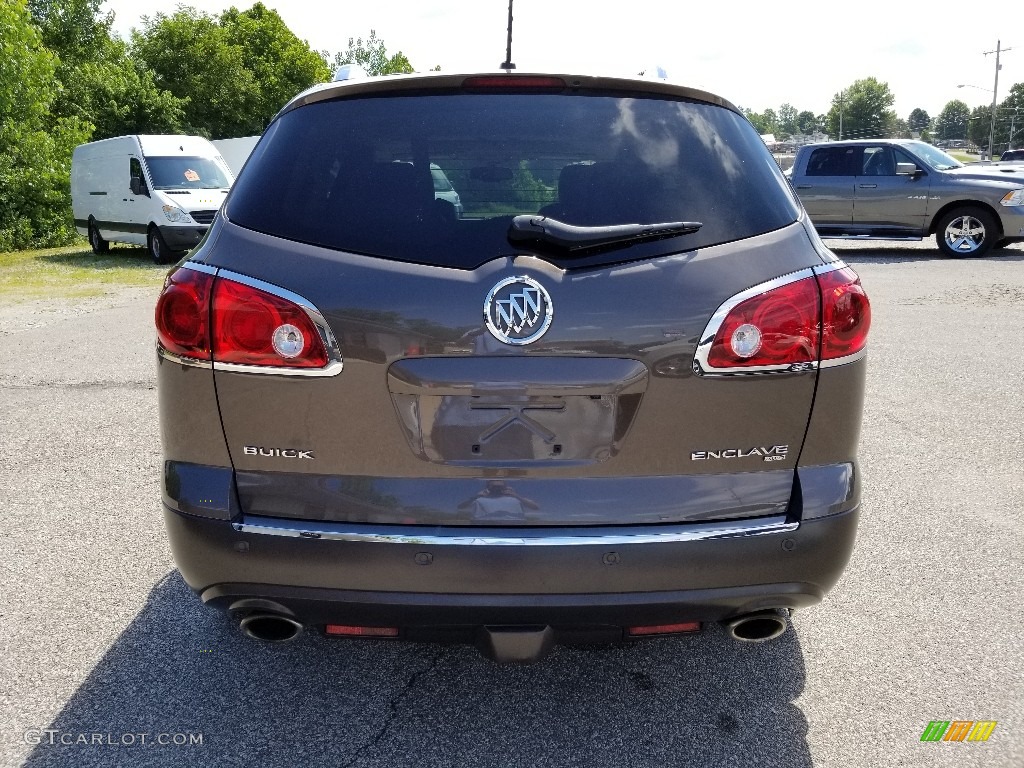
{"x": 896, "y": 189}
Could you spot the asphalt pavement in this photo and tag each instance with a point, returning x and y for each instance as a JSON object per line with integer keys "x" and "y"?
{"x": 108, "y": 659}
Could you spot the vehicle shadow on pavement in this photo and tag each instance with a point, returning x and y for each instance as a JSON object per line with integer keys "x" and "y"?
{"x": 182, "y": 670}
{"x": 120, "y": 257}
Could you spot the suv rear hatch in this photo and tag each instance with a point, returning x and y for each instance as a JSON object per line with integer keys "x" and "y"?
{"x": 494, "y": 377}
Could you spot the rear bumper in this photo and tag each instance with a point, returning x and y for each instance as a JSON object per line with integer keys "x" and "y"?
{"x": 448, "y": 578}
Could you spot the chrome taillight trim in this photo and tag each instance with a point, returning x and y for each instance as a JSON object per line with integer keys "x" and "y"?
{"x": 197, "y": 266}
{"x": 335, "y": 363}
{"x": 701, "y": 367}
{"x": 509, "y": 537}
{"x": 171, "y": 357}
{"x": 835, "y": 362}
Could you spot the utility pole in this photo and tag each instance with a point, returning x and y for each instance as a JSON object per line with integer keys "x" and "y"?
{"x": 842, "y": 95}
{"x": 995, "y": 87}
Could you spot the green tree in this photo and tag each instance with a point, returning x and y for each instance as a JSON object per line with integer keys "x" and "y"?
{"x": 372, "y": 56}
{"x": 281, "y": 64}
{"x": 96, "y": 80}
{"x": 233, "y": 72}
{"x": 952, "y": 121}
{"x": 864, "y": 111}
{"x": 787, "y": 120}
{"x": 759, "y": 121}
{"x": 919, "y": 120}
{"x": 35, "y": 150}
{"x": 900, "y": 129}
{"x": 1010, "y": 119}
{"x": 978, "y": 124}
{"x": 806, "y": 122}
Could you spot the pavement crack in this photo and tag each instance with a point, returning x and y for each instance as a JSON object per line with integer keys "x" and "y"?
{"x": 393, "y": 705}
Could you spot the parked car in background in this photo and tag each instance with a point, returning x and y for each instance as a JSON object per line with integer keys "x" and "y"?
{"x": 903, "y": 189}
{"x": 619, "y": 396}
{"x": 158, "y": 191}
{"x": 1012, "y": 154}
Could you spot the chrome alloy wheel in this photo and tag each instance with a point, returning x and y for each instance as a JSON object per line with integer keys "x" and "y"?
{"x": 965, "y": 234}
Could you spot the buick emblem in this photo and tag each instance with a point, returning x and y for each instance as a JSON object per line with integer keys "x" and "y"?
{"x": 518, "y": 311}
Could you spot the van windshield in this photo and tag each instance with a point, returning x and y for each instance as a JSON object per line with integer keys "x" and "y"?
{"x": 186, "y": 173}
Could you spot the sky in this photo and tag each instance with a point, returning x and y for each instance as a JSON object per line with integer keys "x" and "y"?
{"x": 755, "y": 54}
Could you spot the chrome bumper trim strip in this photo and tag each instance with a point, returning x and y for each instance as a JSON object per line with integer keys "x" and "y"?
{"x": 511, "y": 537}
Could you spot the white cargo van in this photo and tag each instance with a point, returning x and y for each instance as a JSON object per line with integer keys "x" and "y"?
{"x": 236, "y": 151}
{"x": 158, "y": 191}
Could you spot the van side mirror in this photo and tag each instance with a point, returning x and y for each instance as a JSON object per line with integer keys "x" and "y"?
{"x": 907, "y": 169}
{"x": 138, "y": 186}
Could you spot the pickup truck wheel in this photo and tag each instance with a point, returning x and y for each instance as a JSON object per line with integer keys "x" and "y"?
{"x": 158, "y": 249}
{"x": 99, "y": 245}
{"x": 966, "y": 232}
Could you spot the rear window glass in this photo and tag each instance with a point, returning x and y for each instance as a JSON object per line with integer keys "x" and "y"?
{"x": 831, "y": 161}
{"x": 437, "y": 178}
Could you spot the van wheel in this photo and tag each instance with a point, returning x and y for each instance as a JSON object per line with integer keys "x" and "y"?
{"x": 99, "y": 245}
{"x": 966, "y": 232}
{"x": 158, "y": 249}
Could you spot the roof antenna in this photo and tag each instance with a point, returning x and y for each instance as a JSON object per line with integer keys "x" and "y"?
{"x": 507, "y": 63}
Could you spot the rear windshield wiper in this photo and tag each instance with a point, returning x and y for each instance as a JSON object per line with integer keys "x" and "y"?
{"x": 548, "y": 231}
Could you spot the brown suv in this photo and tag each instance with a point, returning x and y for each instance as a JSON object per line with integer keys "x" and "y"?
{"x": 616, "y": 395}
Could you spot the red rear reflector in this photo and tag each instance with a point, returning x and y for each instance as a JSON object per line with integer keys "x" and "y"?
{"x": 846, "y": 314}
{"x": 183, "y": 314}
{"x": 512, "y": 81}
{"x": 664, "y": 629}
{"x": 778, "y": 327}
{"x": 346, "y": 631}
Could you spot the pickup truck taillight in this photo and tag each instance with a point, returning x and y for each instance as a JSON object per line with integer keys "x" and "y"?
{"x": 790, "y": 324}
{"x": 204, "y": 317}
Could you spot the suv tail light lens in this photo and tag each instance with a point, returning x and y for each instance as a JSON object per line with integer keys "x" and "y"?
{"x": 847, "y": 314}
{"x": 253, "y": 327}
{"x": 790, "y": 326}
{"x": 777, "y": 327}
{"x": 183, "y": 314}
{"x": 231, "y": 323}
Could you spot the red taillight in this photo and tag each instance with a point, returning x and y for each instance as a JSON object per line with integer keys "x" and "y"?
{"x": 815, "y": 318}
{"x": 202, "y": 317}
{"x": 183, "y": 314}
{"x": 253, "y": 327}
{"x": 778, "y": 327}
{"x": 846, "y": 314}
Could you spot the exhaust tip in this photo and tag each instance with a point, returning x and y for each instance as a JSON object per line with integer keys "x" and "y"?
{"x": 757, "y": 627}
{"x": 270, "y": 627}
